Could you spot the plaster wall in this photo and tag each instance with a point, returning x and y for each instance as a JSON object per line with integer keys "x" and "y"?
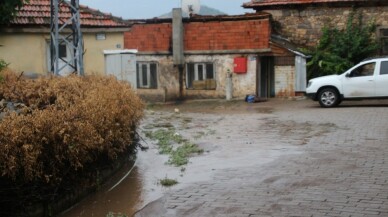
{"x": 24, "y": 52}
{"x": 28, "y": 52}
{"x": 168, "y": 78}
{"x": 243, "y": 84}
{"x": 94, "y": 61}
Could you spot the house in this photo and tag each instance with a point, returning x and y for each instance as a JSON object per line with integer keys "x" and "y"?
{"x": 214, "y": 48}
{"x": 301, "y": 21}
{"x": 26, "y": 40}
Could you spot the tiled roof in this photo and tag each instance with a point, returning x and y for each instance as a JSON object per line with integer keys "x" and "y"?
{"x": 269, "y": 3}
{"x": 37, "y": 12}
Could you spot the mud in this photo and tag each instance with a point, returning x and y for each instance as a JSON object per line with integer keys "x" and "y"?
{"x": 121, "y": 195}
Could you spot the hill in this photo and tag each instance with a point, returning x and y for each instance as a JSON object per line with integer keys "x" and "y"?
{"x": 205, "y": 10}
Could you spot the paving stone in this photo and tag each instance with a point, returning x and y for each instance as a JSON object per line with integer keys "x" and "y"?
{"x": 332, "y": 162}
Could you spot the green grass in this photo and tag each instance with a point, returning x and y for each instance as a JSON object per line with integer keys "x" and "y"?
{"x": 112, "y": 214}
{"x": 174, "y": 145}
{"x": 168, "y": 182}
{"x": 180, "y": 156}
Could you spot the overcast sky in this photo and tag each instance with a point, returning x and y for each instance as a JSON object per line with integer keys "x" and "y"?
{"x": 142, "y": 9}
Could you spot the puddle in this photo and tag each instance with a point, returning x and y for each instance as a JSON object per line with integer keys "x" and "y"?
{"x": 112, "y": 198}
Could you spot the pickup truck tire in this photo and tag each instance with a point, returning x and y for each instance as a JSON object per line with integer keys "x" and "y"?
{"x": 328, "y": 97}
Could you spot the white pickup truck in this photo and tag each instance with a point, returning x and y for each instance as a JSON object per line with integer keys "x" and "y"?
{"x": 366, "y": 80}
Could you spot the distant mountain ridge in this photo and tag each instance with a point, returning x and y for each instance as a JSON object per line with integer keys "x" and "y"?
{"x": 205, "y": 10}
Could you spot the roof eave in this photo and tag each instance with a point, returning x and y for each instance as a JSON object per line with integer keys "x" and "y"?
{"x": 46, "y": 29}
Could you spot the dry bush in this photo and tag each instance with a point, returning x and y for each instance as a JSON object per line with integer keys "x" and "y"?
{"x": 68, "y": 124}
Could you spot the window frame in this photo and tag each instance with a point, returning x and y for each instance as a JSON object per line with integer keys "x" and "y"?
{"x": 383, "y": 39}
{"x": 151, "y": 83}
{"x": 200, "y": 74}
{"x": 382, "y": 65}
{"x": 359, "y": 73}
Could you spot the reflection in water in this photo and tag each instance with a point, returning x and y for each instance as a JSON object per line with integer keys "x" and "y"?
{"x": 123, "y": 198}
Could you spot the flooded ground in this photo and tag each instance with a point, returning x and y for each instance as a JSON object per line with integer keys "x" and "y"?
{"x": 120, "y": 195}
{"x": 204, "y": 123}
{"x": 225, "y": 130}
{"x": 235, "y": 136}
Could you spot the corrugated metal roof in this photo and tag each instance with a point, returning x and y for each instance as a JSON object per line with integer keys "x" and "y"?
{"x": 266, "y": 3}
{"x": 37, "y": 12}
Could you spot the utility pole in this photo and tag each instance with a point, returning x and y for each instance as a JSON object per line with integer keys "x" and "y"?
{"x": 66, "y": 33}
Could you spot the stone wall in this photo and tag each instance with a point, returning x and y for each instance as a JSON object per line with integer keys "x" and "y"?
{"x": 303, "y": 25}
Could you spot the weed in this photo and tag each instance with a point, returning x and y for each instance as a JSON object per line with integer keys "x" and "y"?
{"x": 166, "y": 141}
{"x": 187, "y": 120}
{"x": 3, "y": 64}
{"x": 112, "y": 214}
{"x": 199, "y": 135}
{"x": 181, "y": 154}
{"x": 168, "y": 182}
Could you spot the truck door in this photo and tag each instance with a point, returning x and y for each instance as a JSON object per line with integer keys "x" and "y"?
{"x": 360, "y": 82}
{"x": 382, "y": 80}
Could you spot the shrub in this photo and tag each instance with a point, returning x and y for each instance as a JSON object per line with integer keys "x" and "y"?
{"x": 338, "y": 50}
{"x": 65, "y": 128}
{"x": 3, "y": 65}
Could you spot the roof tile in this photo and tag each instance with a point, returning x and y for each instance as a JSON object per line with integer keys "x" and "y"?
{"x": 266, "y": 3}
{"x": 37, "y": 12}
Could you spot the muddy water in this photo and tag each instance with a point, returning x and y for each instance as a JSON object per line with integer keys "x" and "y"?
{"x": 122, "y": 194}
{"x": 229, "y": 142}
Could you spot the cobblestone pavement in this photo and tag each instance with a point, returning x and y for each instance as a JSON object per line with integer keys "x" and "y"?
{"x": 285, "y": 158}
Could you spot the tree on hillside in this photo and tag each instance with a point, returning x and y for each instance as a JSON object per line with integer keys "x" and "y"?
{"x": 8, "y": 9}
{"x": 338, "y": 50}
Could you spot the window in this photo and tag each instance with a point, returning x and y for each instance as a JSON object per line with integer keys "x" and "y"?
{"x": 384, "y": 68}
{"x": 146, "y": 75}
{"x": 364, "y": 70}
{"x": 62, "y": 51}
{"x": 200, "y": 76}
{"x": 384, "y": 40}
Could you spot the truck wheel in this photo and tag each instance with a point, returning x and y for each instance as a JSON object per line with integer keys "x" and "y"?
{"x": 328, "y": 97}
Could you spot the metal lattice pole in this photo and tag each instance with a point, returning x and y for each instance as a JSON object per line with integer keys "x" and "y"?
{"x": 60, "y": 35}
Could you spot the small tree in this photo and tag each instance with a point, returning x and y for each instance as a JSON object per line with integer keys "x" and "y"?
{"x": 8, "y": 9}
{"x": 338, "y": 50}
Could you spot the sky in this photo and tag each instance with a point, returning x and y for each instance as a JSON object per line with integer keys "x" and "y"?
{"x": 143, "y": 9}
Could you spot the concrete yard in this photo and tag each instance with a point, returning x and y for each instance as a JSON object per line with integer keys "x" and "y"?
{"x": 275, "y": 158}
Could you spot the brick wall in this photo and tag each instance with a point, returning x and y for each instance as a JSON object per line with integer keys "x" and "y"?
{"x": 227, "y": 35}
{"x": 149, "y": 37}
{"x": 201, "y": 36}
